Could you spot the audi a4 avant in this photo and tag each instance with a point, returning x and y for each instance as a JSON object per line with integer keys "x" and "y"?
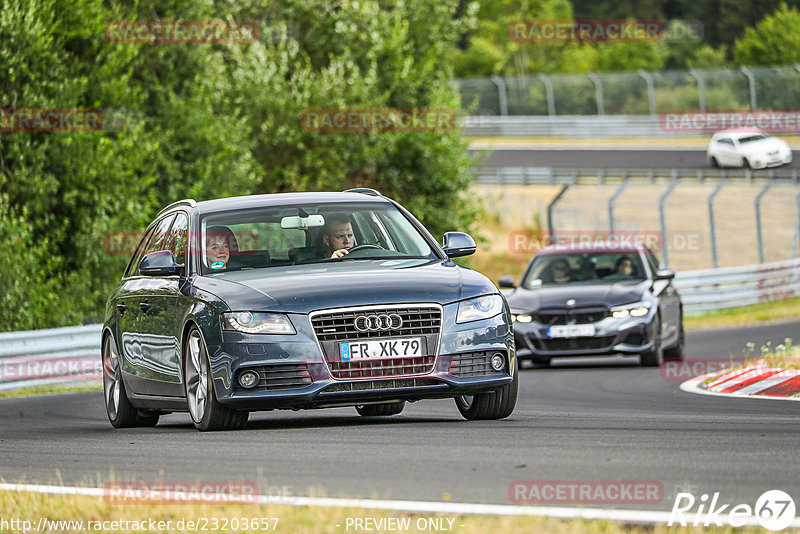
{"x": 599, "y": 298}
{"x": 301, "y": 300}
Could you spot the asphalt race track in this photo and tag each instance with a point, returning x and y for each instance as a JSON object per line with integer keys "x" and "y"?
{"x": 616, "y": 159}
{"x": 589, "y": 420}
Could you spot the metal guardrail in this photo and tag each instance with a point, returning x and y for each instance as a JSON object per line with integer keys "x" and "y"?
{"x": 55, "y": 355}
{"x": 600, "y": 176}
{"x": 570, "y": 126}
{"x": 728, "y": 287}
{"x": 72, "y": 354}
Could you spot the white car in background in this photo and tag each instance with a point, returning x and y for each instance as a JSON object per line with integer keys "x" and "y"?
{"x": 747, "y": 147}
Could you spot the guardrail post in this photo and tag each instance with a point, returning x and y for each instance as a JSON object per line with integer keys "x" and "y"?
{"x": 701, "y": 88}
{"x": 752, "y": 82}
{"x": 662, "y": 201}
{"x": 551, "y": 207}
{"x": 548, "y": 91}
{"x": 501, "y": 94}
{"x": 758, "y": 222}
{"x": 711, "y": 220}
{"x": 598, "y": 92}
{"x": 651, "y": 92}
{"x": 796, "y": 235}
{"x": 611, "y": 201}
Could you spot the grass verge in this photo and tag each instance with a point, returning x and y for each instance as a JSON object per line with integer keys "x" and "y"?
{"x": 40, "y": 390}
{"x": 747, "y": 315}
{"x": 96, "y": 514}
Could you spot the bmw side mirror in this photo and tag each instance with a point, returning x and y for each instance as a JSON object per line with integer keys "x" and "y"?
{"x": 160, "y": 263}
{"x": 457, "y": 244}
{"x": 665, "y": 274}
{"x": 506, "y": 281}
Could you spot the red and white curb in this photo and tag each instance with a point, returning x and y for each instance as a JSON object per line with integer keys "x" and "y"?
{"x": 756, "y": 381}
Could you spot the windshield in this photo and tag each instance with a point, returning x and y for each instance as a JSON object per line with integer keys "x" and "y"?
{"x": 751, "y": 138}
{"x": 583, "y": 268}
{"x": 305, "y": 234}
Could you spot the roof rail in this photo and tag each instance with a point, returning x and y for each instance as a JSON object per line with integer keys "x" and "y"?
{"x": 188, "y": 201}
{"x": 365, "y": 191}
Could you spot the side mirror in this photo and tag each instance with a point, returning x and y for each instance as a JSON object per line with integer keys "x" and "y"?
{"x": 457, "y": 244}
{"x": 665, "y": 274}
{"x": 159, "y": 263}
{"x": 506, "y": 281}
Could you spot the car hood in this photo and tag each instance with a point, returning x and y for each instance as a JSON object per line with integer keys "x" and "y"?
{"x": 302, "y": 289}
{"x": 613, "y": 294}
{"x": 760, "y": 147}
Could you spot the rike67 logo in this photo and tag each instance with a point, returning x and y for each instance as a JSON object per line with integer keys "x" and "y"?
{"x": 774, "y": 510}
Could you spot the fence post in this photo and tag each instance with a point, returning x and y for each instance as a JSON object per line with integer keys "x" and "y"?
{"x": 662, "y": 201}
{"x": 611, "y": 201}
{"x": 551, "y": 207}
{"x": 548, "y": 90}
{"x": 796, "y": 235}
{"x": 752, "y": 81}
{"x": 501, "y": 94}
{"x": 711, "y": 219}
{"x": 758, "y": 222}
{"x": 701, "y": 88}
{"x": 598, "y": 92}
{"x": 651, "y": 92}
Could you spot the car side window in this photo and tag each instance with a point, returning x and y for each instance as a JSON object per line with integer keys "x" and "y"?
{"x": 137, "y": 255}
{"x": 156, "y": 241}
{"x": 726, "y": 141}
{"x": 178, "y": 237}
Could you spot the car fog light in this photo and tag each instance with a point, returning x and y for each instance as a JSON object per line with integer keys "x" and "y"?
{"x": 498, "y": 362}
{"x": 248, "y": 379}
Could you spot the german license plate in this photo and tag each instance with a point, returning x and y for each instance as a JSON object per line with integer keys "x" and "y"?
{"x": 380, "y": 349}
{"x": 570, "y": 330}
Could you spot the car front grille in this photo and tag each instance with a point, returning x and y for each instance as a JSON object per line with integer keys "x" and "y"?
{"x": 472, "y": 364}
{"x": 575, "y": 344}
{"x": 364, "y": 385}
{"x": 277, "y": 377}
{"x": 571, "y": 316}
{"x": 334, "y": 326}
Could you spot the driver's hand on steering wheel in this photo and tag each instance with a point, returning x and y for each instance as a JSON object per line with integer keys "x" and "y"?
{"x": 339, "y": 253}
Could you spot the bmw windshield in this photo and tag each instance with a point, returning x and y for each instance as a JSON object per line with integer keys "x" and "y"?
{"x": 308, "y": 234}
{"x": 585, "y": 268}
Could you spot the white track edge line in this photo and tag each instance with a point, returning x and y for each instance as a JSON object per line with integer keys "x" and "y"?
{"x": 627, "y": 516}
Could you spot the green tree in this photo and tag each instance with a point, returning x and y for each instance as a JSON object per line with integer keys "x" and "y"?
{"x": 773, "y": 41}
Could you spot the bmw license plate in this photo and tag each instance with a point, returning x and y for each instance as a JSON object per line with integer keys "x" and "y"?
{"x": 570, "y": 330}
{"x": 380, "y": 349}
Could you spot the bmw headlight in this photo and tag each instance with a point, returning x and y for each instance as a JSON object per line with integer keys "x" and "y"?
{"x": 521, "y": 318}
{"x": 636, "y": 309}
{"x": 257, "y": 323}
{"x": 478, "y": 308}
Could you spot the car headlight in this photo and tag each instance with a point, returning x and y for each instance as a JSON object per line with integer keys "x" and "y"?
{"x": 257, "y": 323}
{"x": 521, "y": 318}
{"x": 636, "y": 309}
{"x": 478, "y": 308}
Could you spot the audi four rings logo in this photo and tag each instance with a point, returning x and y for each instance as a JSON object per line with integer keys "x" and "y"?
{"x": 391, "y": 321}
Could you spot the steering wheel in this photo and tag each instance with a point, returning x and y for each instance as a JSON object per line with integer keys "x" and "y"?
{"x": 363, "y": 247}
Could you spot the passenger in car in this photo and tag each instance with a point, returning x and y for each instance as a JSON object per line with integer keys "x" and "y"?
{"x": 623, "y": 268}
{"x": 560, "y": 271}
{"x": 220, "y": 245}
{"x": 338, "y": 236}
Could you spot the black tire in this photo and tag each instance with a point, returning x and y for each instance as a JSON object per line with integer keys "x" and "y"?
{"x": 714, "y": 162}
{"x": 654, "y": 357}
{"x": 207, "y": 414}
{"x": 121, "y": 413}
{"x": 677, "y": 352}
{"x": 496, "y": 404}
{"x": 383, "y": 409}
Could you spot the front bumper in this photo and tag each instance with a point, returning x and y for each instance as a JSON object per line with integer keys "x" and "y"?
{"x": 612, "y": 336}
{"x": 300, "y": 377}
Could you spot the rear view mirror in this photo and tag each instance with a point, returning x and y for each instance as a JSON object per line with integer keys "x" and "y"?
{"x": 302, "y": 223}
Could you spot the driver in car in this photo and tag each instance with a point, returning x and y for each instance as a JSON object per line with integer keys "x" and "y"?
{"x": 338, "y": 236}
